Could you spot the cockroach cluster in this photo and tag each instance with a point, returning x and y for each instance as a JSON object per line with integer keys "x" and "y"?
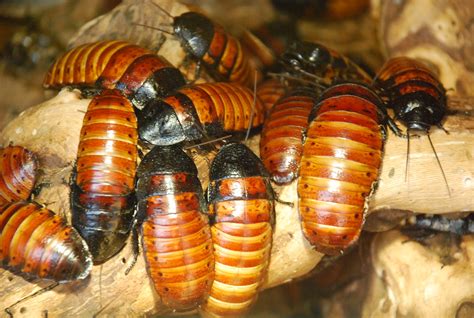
{"x": 323, "y": 125}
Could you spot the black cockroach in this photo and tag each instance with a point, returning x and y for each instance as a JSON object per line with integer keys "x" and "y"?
{"x": 103, "y": 181}
{"x": 240, "y": 201}
{"x": 416, "y": 96}
{"x": 137, "y": 72}
{"x": 210, "y": 44}
{"x": 175, "y": 231}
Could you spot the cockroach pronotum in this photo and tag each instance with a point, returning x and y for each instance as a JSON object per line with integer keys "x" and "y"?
{"x": 102, "y": 184}
{"x": 176, "y": 236}
{"x": 416, "y": 96}
{"x": 342, "y": 155}
{"x": 195, "y": 111}
{"x": 17, "y": 174}
{"x": 325, "y": 9}
{"x": 240, "y": 201}
{"x": 271, "y": 90}
{"x": 281, "y": 143}
{"x": 318, "y": 63}
{"x": 210, "y": 44}
{"x": 39, "y": 244}
{"x": 137, "y": 72}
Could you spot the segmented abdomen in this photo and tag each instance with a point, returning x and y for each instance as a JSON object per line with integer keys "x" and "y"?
{"x": 38, "y": 243}
{"x": 241, "y": 210}
{"x": 137, "y": 72}
{"x": 176, "y": 236}
{"x": 341, "y": 159}
{"x": 281, "y": 143}
{"x": 270, "y": 91}
{"x": 102, "y": 193}
{"x": 17, "y": 174}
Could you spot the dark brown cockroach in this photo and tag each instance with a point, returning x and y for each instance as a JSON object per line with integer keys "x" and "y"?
{"x": 281, "y": 143}
{"x": 39, "y": 244}
{"x": 102, "y": 185}
{"x": 326, "y": 9}
{"x": 137, "y": 72}
{"x": 200, "y": 110}
{"x": 416, "y": 96}
{"x": 240, "y": 201}
{"x": 342, "y": 155}
{"x": 175, "y": 233}
{"x": 425, "y": 224}
{"x": 210, "y": 44}
{"x": 320, "y": 64}
{"x": 17, "y": 174}
{"x": 271, "y": 90}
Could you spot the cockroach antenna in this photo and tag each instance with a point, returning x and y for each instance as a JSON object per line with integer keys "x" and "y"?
{"x": 440, "y": 166}
{"x": 162, "y": 9}
{"x": 153, "y": 27}
{"x": 408, "y": 154}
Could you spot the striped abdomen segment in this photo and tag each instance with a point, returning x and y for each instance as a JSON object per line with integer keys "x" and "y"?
{"x": 210, "y": 108}
{"x": 281, "y": 143}
{"x": 221, "y": 53}
{"x": 102, "y": 194}
{"x": 176, "y": 235}
{"x": 341, "y": 159}
{"x": 17, "y": 174}
{"x": 270, "y": 91}
{"x": 38, "y": 243}
{"x": 135, "y": 71}
{"x": 241, "y": 209}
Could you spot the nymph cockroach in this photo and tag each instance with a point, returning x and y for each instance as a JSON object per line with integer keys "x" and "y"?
{"x": 210, "y": 44}
{"x": 175, "y": 233}
{"x": 39, "y": 244}
{"x": 103, "y": 180}
{"x": 17, "y": 174}
{"x": 271, "y": 90}
{"x": 416, "y": 96}
{"x": 281, "y": 143}
{"x": 137, "y": 72}
{"x": 200, "y": 110}
{"x": 342, "y": 155}
{"x": 240, "y": 201}
{"x": 320, "y": 64}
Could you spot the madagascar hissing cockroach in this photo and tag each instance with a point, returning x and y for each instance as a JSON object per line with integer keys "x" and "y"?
{"x": 210, "y": 44}
{"x": 271, "y": 90}
{"x": 340, "y": 165}
{"x": 281, "y": 142}
{"x": 416, "y": 96}
{"x": 325, "y": 9}
{"x": 39, "y": 244}
{"x": 17, "y": 174}
{"x": 320, "y": 64}
{"x": 137, "y": 72}
{"x": 241, "y": 202}
{"x": 200, "y": 110}
{"x": 103, "y": 180}
{"x": 175, "y": 231}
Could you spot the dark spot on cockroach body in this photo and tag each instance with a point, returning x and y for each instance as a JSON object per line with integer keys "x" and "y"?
{"x": 14, "y": 156}
{"x": 122, "y": 104}
{"x": 166, "y": 289}
{"x": 13, "y": 258}
{"x": 368, "y": 174}
{"x": 313, "y": 143}
{"x": 89, "y": 118}
{"x": 344, "y": 237}
{"x": 371, "y": 154}
{"x": 306, "y": 209}
{"x": 314, "y": 232}
{"x": 208, "y": 265}
{"x": 130, "y": 136}
{"x": 4, "y": 155}
{"x": 160, "y": 274}
{"x": 305, "y": 186}
{"x": 18, "y": 191}
{"x": 356, "y": 215}
{"x": 128, "y": 119}
{"x": 155, "y": 258}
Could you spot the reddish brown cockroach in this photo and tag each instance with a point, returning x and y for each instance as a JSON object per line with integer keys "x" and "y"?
{"x": 281, "y": 143}
{"x": 196, "y": 111}
{"x": 270, "y": 91}
{"x": 175, "y": 231}
{"x": 137, "y": 72}
{"x": 17, "y": 174}
{"x": 103, "y": 181}
{"x": 240, "y": 201}
{"x": 342, "y": 155}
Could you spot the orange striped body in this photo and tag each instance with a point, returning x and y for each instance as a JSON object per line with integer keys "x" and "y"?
{"x": 39, "y": 244}
{"x": 175, "y": 233}
{"x": 281, "y": 143}
{"x": 270, "y": 91}
{"x": 220, "y": 52}
{"x": 137, "y": 72}
{"x": 241, "y": 210}
{"x": 217, "y": 107}
{"x": 104, "y": 178}
{"x": 342, "y": 155}
{"x": 17, "y": 174}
